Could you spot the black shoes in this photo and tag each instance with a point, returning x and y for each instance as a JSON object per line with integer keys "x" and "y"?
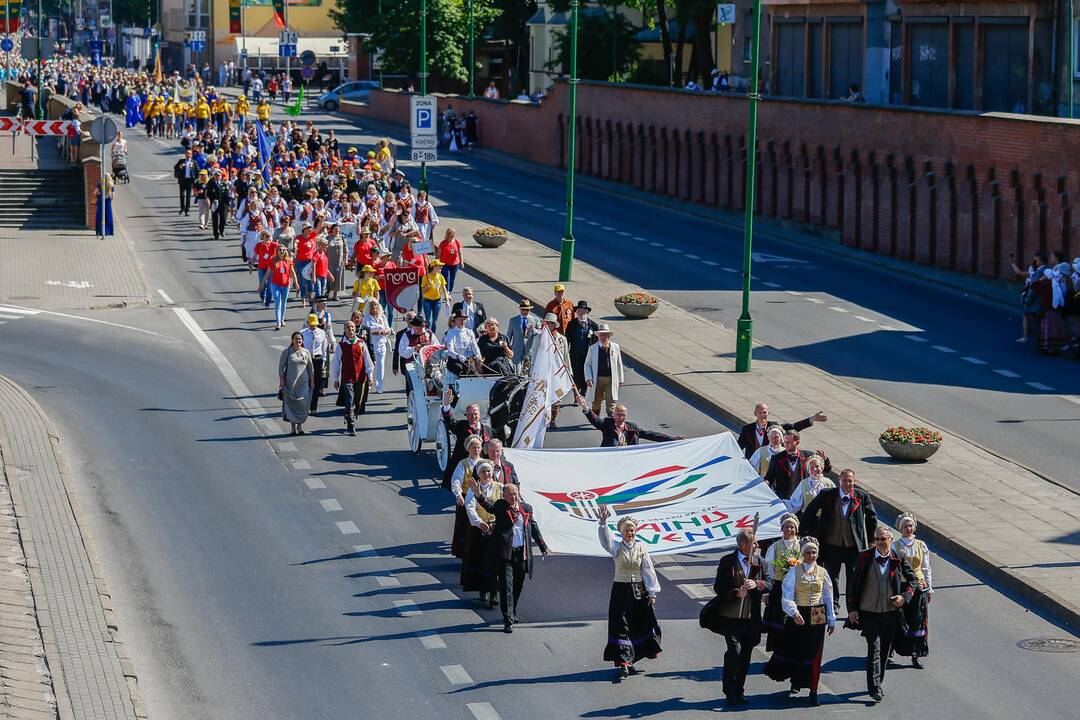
{"x": 876, "y": 695}
{"x": 508, "y": 627}
{"x": 813, "y": 700}
{"x": 351, "y": 430}
{"x": 624, "y": 671}
{"x": 917, "y": 663}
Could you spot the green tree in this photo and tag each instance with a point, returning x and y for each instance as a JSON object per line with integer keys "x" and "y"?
{"x": 397, "y": 33}
{"x": 130, "y": 12}
{"x": 594, "y": 46}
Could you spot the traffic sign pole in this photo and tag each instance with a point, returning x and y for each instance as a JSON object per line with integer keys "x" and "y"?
{"x": 423, "y": 80}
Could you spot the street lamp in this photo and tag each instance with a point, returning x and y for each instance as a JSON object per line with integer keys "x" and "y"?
{"x": 566, "y": 258}
{"x": 423, "y": 78}
{"x": 745, "y": 328}
{"x": 40, "y": 79}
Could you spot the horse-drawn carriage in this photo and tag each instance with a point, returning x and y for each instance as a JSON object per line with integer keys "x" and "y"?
{"x": 499, "y": 396}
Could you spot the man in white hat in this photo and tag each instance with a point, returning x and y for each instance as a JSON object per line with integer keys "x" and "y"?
{"x": 604, "y": 371}
{"x": 551, "y": 322}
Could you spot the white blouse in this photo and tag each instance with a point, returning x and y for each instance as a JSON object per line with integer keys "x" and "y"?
{"x": 787, "y": 600}
{"x": 648, "y": 573}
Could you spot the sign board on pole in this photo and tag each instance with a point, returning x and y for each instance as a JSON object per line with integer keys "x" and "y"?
{"x": 423, "y": 155}
{"x": 422, "y": 113}
{"x": 725, "y": 13}
{"x": 286, "y": 37}
{"x": 424, "y": 142}
{"x": 6, "y": 45}
{"x": 307, "y": 57}
{"x": 307, "y": 72}
{"x": 103, "y": 130}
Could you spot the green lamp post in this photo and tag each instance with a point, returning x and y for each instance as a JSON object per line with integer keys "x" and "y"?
{"x": 423, "y": 78}
{"x": 566, "y": 257}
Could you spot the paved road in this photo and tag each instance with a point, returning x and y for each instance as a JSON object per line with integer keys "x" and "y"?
{"x": 949, "y": 358}
{"x": 245, "y": 591}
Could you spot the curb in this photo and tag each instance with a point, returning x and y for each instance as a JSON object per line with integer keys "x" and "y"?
{"x": 1045, "y": 600}
{"x": 45, "y": 619}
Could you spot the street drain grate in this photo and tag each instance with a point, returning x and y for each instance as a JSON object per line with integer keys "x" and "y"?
{"x": 1050, "y": 645}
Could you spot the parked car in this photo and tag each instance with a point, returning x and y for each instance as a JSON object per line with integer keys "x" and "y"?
{"x": 354, "y": 91}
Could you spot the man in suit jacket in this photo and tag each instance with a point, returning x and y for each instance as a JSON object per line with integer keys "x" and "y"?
{"x": 474, "y": 312}
{"x": 753, "y": 435}
{"x": 842, "y": 519}
{"x": 740, "y": 584}
{"x": 460, "y": 430}
{"x": 617, "y": 430}
{"x": 604, "y": 370}
{"x": 580, "y": 336}
{"x": 514, "y": 532}
{"x": 503, "y": 471}
{"x": 788, "y": 468}
{"x": 522, "y": 330}
{"x": 185, "y": 171}
{"x": 883, "y": 582}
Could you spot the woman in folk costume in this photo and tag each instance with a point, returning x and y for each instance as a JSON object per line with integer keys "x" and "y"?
{"x": 914, "y": 643}
{"x": 1050, "y": 290}
{"x": 808, "y": 489}
{"x": 461, "y": 482}
{"x": 807, "y": 600}
{"x": 423, "y": 213}
{"x": 775, "y": 443}
{"x": 478, "y": 568}
{"x": 781, "y": 556}
{"x": 633, "y": 632}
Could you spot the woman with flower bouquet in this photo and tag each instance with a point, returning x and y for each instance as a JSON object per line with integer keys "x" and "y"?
{"x": 781, "y": 556}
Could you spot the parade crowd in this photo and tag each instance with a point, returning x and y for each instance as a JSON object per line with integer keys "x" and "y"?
{"x": 319, "y": 224}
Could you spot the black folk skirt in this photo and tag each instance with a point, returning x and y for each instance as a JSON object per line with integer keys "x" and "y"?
{"x": 797, "y": 656}
{"x": 633, "y": 632}
{"x": 914, "y": 643}
{"x": 478, "y": 567}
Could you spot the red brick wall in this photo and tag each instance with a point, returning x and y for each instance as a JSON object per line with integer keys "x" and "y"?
{"x": 956, "y": 190}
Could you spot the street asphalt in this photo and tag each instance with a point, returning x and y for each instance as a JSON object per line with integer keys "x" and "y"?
{"x": 246, "y": 591}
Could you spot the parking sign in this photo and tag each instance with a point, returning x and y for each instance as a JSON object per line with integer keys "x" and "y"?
{"x": 422, "y": 111}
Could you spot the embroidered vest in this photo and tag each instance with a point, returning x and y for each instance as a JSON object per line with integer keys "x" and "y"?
{"x": 352, "y": 360}
{"x": 808, "y": 588}
{"x": 628, "y": 563}
{"x": 493, "y": 493}
{"x": 914, "y": 554}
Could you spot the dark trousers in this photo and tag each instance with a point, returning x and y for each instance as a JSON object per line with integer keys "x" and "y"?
{"x": 832, "y": 557}
{"x": 185, "y": 195}
{"x": 354, "y": 396}
{"x": 737, "y": 661}
{"x": 511, "y": 580}
{"x": 879, "y": 629}
{"x": 317, "y": 369}
{"x": 218, "y": 217}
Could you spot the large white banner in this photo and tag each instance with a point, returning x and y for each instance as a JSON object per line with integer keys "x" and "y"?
{"x": 687, "y": 496}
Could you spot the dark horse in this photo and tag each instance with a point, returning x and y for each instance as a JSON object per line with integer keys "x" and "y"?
{"x": 505, "y": 399}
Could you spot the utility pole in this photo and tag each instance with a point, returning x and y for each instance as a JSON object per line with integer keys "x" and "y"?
{"x": 745, "y": 328}
{"x": 40, "y": 78}
{"x": 243, "y": 40}
{"x": 1072, "y": 55}
{"x": 566, "y": 258}
{"x": 379, "y": 10}
{"x": 472, "y": 51}
{"x": 615, "y": 41}
{"x": 288, "y": 55}
{"x": 423, "y": 78}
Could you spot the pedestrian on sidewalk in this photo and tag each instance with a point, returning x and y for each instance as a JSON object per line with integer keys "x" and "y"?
{"x": 844, "y": 519}
{"x": 351, "y": 369}
{"x": 604, "y": 373}
{"x": 741, "y": 582}
{"x": 807, "y": 599}
{"x": 883, "y": 582}
{"x": 296, "y": 384}
{"x": 914, "y": 643}
{"x": 633, "y": 632}
{"x": 752, "y": 435}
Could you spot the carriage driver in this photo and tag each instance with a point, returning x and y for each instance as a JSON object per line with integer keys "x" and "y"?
{"x": 462, "y": 352}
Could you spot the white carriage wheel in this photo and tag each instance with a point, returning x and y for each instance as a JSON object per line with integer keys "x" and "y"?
{"x": 442, "y": 445}
{"x": 416, "y": 439}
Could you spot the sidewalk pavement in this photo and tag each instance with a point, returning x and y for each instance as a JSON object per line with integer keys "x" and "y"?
{"x": 73, "y": 641}
{"x": 1002, "y": 519}
{"x": 65, "y": 269}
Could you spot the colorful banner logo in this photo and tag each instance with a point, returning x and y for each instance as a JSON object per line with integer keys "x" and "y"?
{"x": 402, "y": 288}
{"x": 279, "y": 13}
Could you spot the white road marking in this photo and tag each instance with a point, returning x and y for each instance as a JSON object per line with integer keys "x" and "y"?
{"x": 365, "y": 551}
{"x": 301, "y": 464}
{"x": 551, "y": 210}
{"x": 710, "y": 263}
{"x": 1071, "y": 398}
{"x": 331, "y": 505}
{"x": 1006, "y": 373}
{"x": 863, "y": 318}
{"x": 943, "y": 348}
{"x": 1040, "y": 386}
{"x": 973, "y": 360}
{"x": 675, "y": 250}
{"x": 286, "y": 446}
{"x": 387, "y": 581}
{"x": 697, "y": 590}
{"x": 728, "y": 269}
{"x": 623, "y": 233}
{"x": 793, "y": 292}
{"x": 456, "y": 675}
{"x": 12, "y": 317}
{"x": 483, "y": 711}
{"x": 692, "y": 257}
{"x": 314, "y": 484}
{"x": 641, "y": 239}
{"x": 915, "y": 338}
{"x": 430, "y": 639}
{"x": 771, "y": 284}
{"x": 407, "y": 608}
{"x": 607, "y": 228}
{"x": 837, "y": 309}
{"x": 656, "y": 244}
{"x": 18, "y": 310}
{"x": 33, "y": 311}
{"x": 887, "y": 328}
{"x": 347, "y": 527}
{"x": 165, "y": 296}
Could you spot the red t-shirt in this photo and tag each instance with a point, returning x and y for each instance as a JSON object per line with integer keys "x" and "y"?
{"x": 364, "y": 252}
{"x": 450, "y": 252}
{"x": 380, "y": 272}
{"x": 322, "y": 265}
{"x": 281, "y": 273}
{"x": 305, "y": 247}
{"x": 265, "y": 252}
{"x": 419, "y": 261}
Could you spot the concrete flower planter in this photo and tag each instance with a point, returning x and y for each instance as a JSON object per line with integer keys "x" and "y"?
{"x": 636, "y": 311}
{"x": 490, "y": 241}
{"x": 909, "y": 452}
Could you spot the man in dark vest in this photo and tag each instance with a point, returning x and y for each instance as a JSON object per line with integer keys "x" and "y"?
{"x": 753, "y": 435}
{"x": 740, "y": 584}
{"x": 788, "y": 468}
{"x": 503, "y": 470}
{"x": 843, "y": 519}
{"x": 351, "y": 368}
{"x": 396, "y": 363}
{"x": 460, "y": 430}
{"x": 883, "y": 583}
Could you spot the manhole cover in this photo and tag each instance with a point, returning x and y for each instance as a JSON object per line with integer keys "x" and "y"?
{"x": 1051, "y": 645}
{"x": 705, "y": 309}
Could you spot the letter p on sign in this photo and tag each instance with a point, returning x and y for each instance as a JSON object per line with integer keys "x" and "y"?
{"x": 423, "y": 118}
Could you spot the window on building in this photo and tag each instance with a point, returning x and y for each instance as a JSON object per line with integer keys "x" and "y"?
{"x": 1005, "y": 66}
{"x": 748, "y": 36}
{"x": 790, "y": 54}
{"x": 846, "y": 56}
{"x": 928, "y": 63}
{"x": 816, "y": 64}
{"x": 964, "y": 67}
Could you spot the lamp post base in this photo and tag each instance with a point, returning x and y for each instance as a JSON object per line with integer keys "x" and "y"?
{"x": 744, "y": 343}
{"x": 566, "y": 259}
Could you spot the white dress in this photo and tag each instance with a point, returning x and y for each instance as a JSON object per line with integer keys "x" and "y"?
{"x": 379, "y": 344}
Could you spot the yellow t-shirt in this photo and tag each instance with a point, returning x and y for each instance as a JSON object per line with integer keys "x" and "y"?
{"x": 242, "y": 106}
{"x": 263, "y": 112}
{"x": 432, "y": 285}
{"x": 366, "y": 287}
